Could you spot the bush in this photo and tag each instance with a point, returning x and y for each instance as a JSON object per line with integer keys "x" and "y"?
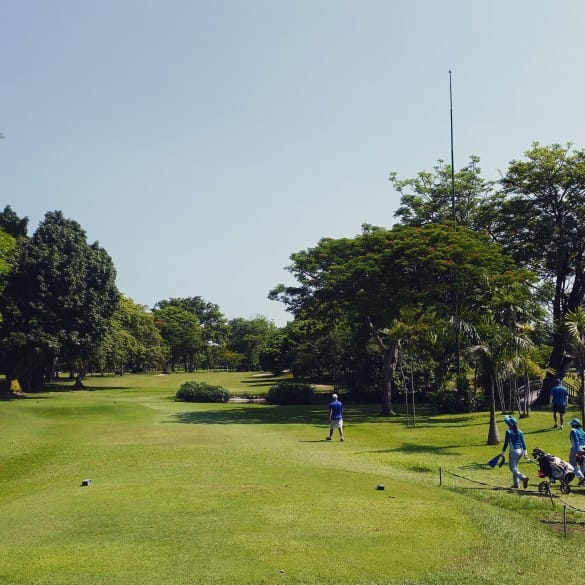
{"x": 454, "y": 402}
{"x": 290, "y": 393}
{"x": 202, "y": 392}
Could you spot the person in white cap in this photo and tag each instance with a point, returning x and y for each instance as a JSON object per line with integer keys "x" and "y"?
{"x": 577, "y": 438}
{"x": 515, "y": 438}
{"x": 335, "y": 417}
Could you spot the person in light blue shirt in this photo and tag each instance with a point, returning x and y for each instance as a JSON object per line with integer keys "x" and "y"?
{"x": 559, "y": 396}
{"x": 515, "y": 440}
{"x": 335, "y": 417}
{"x": 577, "y": 438}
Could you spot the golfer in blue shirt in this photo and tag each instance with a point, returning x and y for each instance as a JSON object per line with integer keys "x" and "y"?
{"x": 335, "y": 417}
{"x": 515, "y": 439}
{"x": 559, "y": 396}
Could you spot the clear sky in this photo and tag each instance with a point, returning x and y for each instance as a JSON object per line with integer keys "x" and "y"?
{"x": 203, "y": 142}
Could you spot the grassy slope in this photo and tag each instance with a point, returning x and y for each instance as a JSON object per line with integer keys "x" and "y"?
{"x": 187, "y": 493}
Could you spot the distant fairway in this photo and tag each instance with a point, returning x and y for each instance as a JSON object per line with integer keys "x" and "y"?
{"x": 243, "y": 493}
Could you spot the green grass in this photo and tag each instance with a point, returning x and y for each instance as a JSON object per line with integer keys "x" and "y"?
{"x": 228, "y": 493}
{"x": 240, "y": 383}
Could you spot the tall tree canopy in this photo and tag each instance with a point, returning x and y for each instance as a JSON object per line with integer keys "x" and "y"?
{"x": 374, "y": 278}
{"x": 132, "y": 342}
{"x": 214, "y": 326}
{"x": 428, "y": 198}
{"x": 57, "y": 303}
{"x": 7, "y": 256}
{"x": 12, "y": 224}
{"x": 250, "y": 337}
{"x": 181, "y": 330}
{"x": 541, "y": 223}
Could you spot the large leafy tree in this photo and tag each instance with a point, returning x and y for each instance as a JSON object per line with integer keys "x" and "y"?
{"x": 428, "y": 197}
{"x": 181, "y": 331}
{"x": 540, "y": 221}
{"x": 311, "y": 349}
{"x": 132, "y": 341}
{"x": 214, "y": 326}
{"x": 250, "y": 337}
{"x": 12, "y": 230}
{"x": 57, "y": 303}
{"x": 7, "y": 256}
{"x": 374, "y": 278}
{"x": 12, "y": 224}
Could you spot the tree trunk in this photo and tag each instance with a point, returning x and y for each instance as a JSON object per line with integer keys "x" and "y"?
{"x": 390, "y": 360}
{"x": 494, "y": 433}
{"x": 30, "y": 378}
{"x": 558, "y": 361}
{"x": 544, "y": 394}
{"x": 563, "y": 304}
{"x": 79, "y": 379}
{"x": 5, "y": 391}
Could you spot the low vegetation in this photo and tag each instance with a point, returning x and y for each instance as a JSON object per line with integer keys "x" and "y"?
{"x": 193, "y": 391}
{"x": 289, "y": 392}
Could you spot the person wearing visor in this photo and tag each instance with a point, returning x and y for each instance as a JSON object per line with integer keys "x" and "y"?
{"x": 515, "y": 440}
{"x": 576, "y": 456}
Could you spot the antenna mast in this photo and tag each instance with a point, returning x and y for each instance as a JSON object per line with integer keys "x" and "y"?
{"x": 452, "y": 156}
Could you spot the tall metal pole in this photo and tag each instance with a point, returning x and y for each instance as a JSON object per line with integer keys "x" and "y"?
{"x": 452, "y": 156}
{"x": 457, "y": 324}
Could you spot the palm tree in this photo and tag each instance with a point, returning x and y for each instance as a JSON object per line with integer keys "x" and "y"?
{"x": 575, "y": 325}
{"x": 499, "y": 355}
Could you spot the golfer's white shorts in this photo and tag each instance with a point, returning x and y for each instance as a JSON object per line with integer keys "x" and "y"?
{"x": 336, "y": 424}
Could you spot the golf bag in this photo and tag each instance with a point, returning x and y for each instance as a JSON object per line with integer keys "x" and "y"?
{"x": 553, "y": 469}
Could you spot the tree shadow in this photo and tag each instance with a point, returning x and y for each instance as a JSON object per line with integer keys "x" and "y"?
{"x": 430, "y": 420}
{"x": 22, "y": 396}
{"x": 474, "y": 467}
{"x": 249, "y": 414}
{"x": 245, "y": 413}
{"x": 539, "y": 432}
{"x": 450, "y": 450}
{"x": 69, "y": 387}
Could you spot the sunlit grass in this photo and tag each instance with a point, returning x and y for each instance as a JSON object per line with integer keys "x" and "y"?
{"x": 231, "y": 493}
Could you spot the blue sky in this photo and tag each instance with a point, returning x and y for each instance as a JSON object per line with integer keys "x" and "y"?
{"x": 203, "y": 142}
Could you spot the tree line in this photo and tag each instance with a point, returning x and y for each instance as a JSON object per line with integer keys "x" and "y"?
{"x": 477, "y": 285}
{"x": 62, "y": 312}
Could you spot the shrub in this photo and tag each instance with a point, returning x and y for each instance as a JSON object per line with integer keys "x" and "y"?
{"x": 202, "y": 392}
{"x": 290, "y": 393}
{"x": 454, "y": 402}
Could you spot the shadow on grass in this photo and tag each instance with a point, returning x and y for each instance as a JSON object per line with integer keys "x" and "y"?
{"x": 315, "y": 413}
{"x": 22, "y": 396}
{"x": 498, "y": 488}
{"x": 54, "y": 387}
{"x": 428, "y": 448}
{"x": 541, "y": 431}
{"x": 233, "y": 413}
{"x": 431, "y": 420}
{"x": 474, "y": 467}
{"x": 245, "y": 414}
